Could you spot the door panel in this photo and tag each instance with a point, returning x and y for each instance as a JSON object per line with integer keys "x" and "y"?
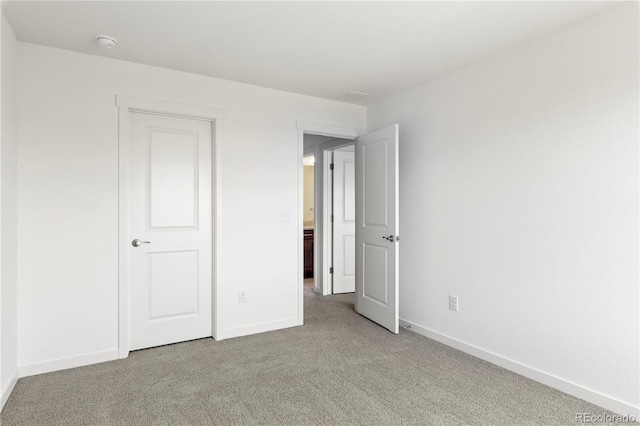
{"x": 173, "y": 178}
{"x": 170, "y": 210}
{"x": 344, "y": 215}
{"x": 374, "y": 283}
{"x": 349, "y": 187}
{"x": 375, "y": 183}
{"x": 377, "y": 227}
{"x": 349, "y": 250}
{"x": 173, "y": 283}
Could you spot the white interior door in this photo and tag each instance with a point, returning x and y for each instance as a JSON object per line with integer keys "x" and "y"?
{"x": 377, "y": 227}
{"x": 170, "y": 213}
{"x": 344, "y": 222}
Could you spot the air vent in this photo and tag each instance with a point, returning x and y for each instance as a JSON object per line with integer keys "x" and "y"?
{"x": 352, "y": 96}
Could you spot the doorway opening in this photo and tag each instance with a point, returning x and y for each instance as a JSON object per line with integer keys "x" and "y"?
{"x": 308, "y": 220}
{"x": 376, "y": 215}
{"x": 320, "y": 217}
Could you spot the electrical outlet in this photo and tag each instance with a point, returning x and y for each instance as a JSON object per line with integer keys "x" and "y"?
{"x": 453, "y": 303}
{"x": 242, "y": 296}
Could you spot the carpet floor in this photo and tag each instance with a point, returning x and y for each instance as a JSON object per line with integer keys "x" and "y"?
{"x": 339, "y": 368}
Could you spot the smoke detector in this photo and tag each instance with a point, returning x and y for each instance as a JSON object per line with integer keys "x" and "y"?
{"x": 106, "y": 41}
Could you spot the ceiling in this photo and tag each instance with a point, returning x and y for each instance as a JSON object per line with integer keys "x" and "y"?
{"x": 323, "y": 49}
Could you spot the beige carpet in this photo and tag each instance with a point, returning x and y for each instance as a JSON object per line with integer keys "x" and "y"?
{"x": 338, "y": 368}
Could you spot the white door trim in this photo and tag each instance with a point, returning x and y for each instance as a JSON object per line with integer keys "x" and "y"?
{"x": 126, "y": 105}
{"x": 321, "y": 241}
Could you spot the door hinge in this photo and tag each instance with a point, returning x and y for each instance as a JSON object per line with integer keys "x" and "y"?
{"x": 331, "y": 218}
{"x": 331, "y": 166}
{"x": 331, "y": 270}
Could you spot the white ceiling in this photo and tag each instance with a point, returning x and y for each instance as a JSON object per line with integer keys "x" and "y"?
{"x": 322, "y": 49}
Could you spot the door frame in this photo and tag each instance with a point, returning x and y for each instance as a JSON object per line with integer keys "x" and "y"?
{"x": 126, "y": 105}
{"x": 322, "y": 202}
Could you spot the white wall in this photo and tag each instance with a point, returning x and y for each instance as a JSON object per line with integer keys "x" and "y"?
{"x": 68, "y": 158}
{"x": 519, "y": 194}
{"x": 315, "y": 140}
{"x": 8, "y": 218}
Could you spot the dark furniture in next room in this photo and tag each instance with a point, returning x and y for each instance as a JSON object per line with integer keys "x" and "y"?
{"x": 308, "y": 253}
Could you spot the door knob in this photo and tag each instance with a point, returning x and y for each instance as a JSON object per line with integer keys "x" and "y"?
{"x": 392, "y": 238}
{"x": 138, "y": 243}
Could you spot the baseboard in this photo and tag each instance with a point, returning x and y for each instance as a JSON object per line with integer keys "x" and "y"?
{"x": 597, "y": 398}
{"x": 258, "y": 328}
{"x": 65, "y": 363}
{"x": 6, "y": 391}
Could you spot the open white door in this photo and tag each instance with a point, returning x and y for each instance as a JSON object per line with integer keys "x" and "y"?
{"x": 344, "y": 222}
{"x": 377, "y": 227}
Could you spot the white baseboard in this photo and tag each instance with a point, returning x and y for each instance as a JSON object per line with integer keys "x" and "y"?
{"x": 258, "y": 328}
{"x": 65, "y": 363}
{"x": 6, "y": 391}
{"x": 605, "y": 401}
